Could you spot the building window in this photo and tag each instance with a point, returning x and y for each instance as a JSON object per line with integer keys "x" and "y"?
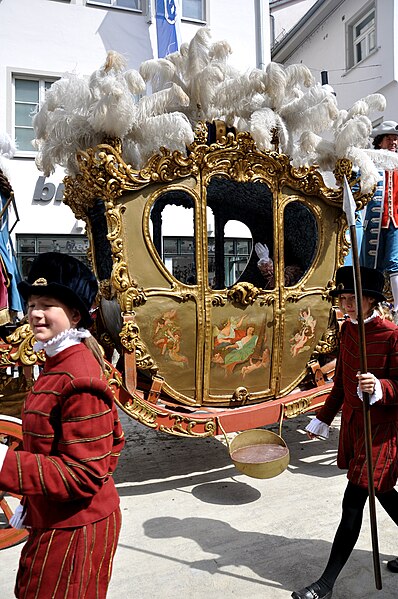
{"x": 29, "y": 94}
{"x": 131, "y": 4}
{"x": 29, "y": 246}
{"x": 361, "y": 37}
{"x": 193, "y": 10}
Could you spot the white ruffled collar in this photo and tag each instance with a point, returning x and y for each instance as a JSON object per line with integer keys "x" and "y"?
{"x": 368, "y": 319}
{"x": 61, "y": 341}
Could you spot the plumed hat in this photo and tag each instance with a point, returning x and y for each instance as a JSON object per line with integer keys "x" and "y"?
{"x": 386, "y": 128}
{"x": 65, "y": 278}
{"x": 372, "y": 282}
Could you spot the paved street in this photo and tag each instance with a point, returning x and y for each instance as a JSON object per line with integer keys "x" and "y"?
{"x": 194, "y": 527}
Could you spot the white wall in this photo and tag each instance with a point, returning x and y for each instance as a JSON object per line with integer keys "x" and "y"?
{"x": 48, "y": 37}
{"x": 287, "y": 14}
{"x": 325, "y": 49}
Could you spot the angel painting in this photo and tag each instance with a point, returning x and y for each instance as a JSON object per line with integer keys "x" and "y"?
{"x": 300, "y": 340}
{"x": 167, "y": 338}
{"x": 235, "y": 345}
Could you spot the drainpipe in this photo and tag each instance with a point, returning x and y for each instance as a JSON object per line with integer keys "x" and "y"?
{"x": 262, "y": 35}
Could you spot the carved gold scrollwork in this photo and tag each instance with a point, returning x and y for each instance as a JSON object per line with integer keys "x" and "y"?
{"x": 20, "y": 349}
{"x": 296, "y": 407}
{"x": 130, "y": 339}
{"x": 244, "y": 294}
{"x": 218, "y": 299}
{"x": 141, "y": 412}
{"x": 184, "y": 427}
{"x": 343, "y": 168}
{"x": 330, "y": 339}
{"x": 241, "y": 394}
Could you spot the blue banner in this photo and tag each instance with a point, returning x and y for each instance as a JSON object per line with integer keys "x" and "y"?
{"x": 166, "y": 27}
{"x": 9, "y": 260}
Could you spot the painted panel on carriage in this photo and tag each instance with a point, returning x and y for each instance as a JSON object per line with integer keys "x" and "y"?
{"x": 240, "y": 346}
{"x": 240, "y": 351}
{"x": 168, "y": 330}
{"x": 301, "y": 334}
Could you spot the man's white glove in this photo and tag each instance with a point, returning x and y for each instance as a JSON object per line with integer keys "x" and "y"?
{"x": 18, "y": 517}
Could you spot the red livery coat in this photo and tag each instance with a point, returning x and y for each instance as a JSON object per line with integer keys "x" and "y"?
{"x": 72, "y": 438}
{"x": 382, "y": 361}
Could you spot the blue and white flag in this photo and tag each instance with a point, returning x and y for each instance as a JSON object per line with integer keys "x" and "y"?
{"x": 167, "y": 26}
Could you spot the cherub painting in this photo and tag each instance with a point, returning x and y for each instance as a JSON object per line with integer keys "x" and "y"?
{"x": 300, "y": 339}
{"x": 167, "y": 338}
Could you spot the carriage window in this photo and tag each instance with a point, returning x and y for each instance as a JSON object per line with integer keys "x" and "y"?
{"x": 172, "y": 231}
{"x": 300, "y": 241}
{"x": 241, "y": 217}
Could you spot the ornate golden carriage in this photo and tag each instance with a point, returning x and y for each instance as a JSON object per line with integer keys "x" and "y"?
{"x": 204, "y": 351}
{"x": 199, "y": 345}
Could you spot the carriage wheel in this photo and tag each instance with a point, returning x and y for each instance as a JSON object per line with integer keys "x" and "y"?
{"x": 10, "y": 435}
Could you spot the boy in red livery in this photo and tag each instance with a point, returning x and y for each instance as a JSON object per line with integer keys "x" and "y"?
{"x": 72, "y": 438}
{"x": 381, "y": 383}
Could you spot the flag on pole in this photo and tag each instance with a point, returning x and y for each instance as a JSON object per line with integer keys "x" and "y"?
{"x": 349, "y": 205}
{"x": 168, "y": 18}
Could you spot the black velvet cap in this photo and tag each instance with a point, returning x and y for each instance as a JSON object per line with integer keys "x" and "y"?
{"x": 372, "y": 282}
{"x": 64, "y": 278}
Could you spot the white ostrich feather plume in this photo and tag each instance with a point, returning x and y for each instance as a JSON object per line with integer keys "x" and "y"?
{"x": 135, "y": 82}
{"x": 163, "y": 101}
{"x": 198, "y": 83}
{"x": 354, "y": 132}
{"x": 313, "y": 149}
{"x": 373, "y": 102}
{"x": 159, "y": 72}
{"x": 298, "y": 74}
{"x": 369, "y": 173}
{"x": 7, "y": 145}
{"x": 173, "y": 131}
{"x": 262, "y": 123}
{"x": 383, "y": 159}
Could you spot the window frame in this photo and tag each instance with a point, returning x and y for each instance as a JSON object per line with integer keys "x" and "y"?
{"x": 112, "y": 4}
{"x": 205, "y": 13}
{"x": 42, "y": 78}
{"x": 354, "y": 41}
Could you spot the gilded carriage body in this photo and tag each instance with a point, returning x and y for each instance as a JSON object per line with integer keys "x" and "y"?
{"x": 207, "y": 344}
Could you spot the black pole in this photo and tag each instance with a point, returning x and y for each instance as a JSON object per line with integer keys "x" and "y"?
{"x": 366, "y": 409}
{"x": 324, "y": 78}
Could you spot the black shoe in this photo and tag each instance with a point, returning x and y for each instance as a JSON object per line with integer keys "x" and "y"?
{"x": 313, "y": 591}
{"x": 392, "y": 565}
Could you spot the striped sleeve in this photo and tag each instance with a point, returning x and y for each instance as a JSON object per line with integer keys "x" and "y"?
{"x": 85, "y": 450}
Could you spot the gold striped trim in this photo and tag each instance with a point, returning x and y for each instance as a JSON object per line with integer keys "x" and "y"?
{"x": 58, "y": 372}
{"x": 86, "y": 439}
{"x": 44, "y": 392}
{"x": 93, "y": 539}
{"x": 71, "y": 473}
{"x": 113, "y": 548}
{"x": 84, "y": 531}
{"x": 39, "y": 435}
{"x": 102, "y": 560}
{"x": 96, "y": 458}
{"x": 40, "y": 469}
{"x": 62, "y": 475}
{"x": 38, "y": 412}
{"x": 44, "y": 562}
{"x": 88, "y": 417}
{"x": 63, "y": 564}
{"x": 19, "y": 469}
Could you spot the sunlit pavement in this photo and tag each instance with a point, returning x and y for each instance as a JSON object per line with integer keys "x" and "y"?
{"x": 194, "y": 527}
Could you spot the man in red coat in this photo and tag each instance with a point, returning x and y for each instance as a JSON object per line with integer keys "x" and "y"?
{"x": 381, "y": 382}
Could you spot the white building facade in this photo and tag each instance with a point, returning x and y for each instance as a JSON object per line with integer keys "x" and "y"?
{"x": 354, "y": 42}
{"x": 43, "y": 39}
